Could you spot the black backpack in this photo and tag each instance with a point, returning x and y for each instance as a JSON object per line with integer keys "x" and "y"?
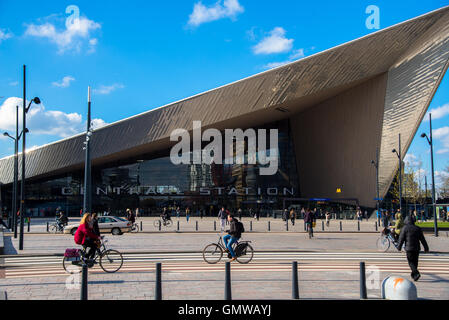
{"x": 239, "y": 226}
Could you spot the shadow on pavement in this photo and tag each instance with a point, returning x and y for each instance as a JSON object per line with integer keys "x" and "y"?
{"x": 9, "y": 246}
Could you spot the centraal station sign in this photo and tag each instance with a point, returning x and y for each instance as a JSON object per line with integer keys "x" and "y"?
{"x": 172, "y": 190}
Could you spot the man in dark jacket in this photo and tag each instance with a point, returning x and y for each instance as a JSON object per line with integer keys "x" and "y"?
{"x": 412, "y": 236}
{"x": 234, "y": 234}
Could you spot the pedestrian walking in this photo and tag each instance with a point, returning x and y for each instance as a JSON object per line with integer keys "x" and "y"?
{"x": 187, "y": 214}
{"x": 178, "y": 212}
{"x": 328, "y": 218}
{"x": 285, "y": 216}
{"x": 240, "y": 213}
{"x": 292, "y": 216}
{"x": 412, "y": 235}
{"x": 308, "y": 220}
{"x": 222, "y": 216}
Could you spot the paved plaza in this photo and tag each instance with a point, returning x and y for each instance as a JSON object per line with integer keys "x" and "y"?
{"x": 328, "y": 267}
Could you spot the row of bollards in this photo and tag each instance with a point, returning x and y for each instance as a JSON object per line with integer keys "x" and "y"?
{"x": 228, "y": 288}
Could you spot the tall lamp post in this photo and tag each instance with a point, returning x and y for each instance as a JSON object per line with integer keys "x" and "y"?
{"x": 430, "y": 141}
{"x": 16, "y": 169}
{"x": 398, "y": 154}
{"x": 26, "y": 108}
{"x": 87, "y": 201}
{"x": 376, "y": 165}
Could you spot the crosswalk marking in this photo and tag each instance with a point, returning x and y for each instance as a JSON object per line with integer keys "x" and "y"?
{"x": 51, "y": 266}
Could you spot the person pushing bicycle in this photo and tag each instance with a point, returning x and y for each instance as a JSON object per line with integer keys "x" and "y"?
{"x": 234, "y": 234}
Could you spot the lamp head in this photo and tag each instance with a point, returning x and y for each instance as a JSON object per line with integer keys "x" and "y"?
{"x": 394, "y": 151}
{"x": 6, "y": 134}
{"x": 26, "y": 130}
{"x": 423, "y": 135}
{"x": 36, "y": 100}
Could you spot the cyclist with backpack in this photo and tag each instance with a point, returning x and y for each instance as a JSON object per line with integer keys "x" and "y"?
{"x": 234, "y": 234}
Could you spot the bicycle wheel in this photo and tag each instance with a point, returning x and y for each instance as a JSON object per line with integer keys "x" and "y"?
{"x": 245, "y": 253}
{"x": 111, "y": 261}
{"x": 53, "y": 229}
{"x": 383, "y": 243}
{"x": 157, "y": 223}
{"x": 168, "y": 223}
{"x": 135, "y": 228}
{"x": 71, "y": 267}
{"x": 212, "y": 253}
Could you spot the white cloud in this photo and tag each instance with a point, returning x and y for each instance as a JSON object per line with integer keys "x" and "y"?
{"x": 41, "y": 121}
{"x": 438, "y": 113}
{"x": 65, "y": 82}
{"x": 14, "y": 83}
{"x": 411, "y": 160}
{"x": 276, "y": 42}
{"x": 442, "y": 134}
{"x": 202, "y": 14}
{"x": 4, "y": 35}
{"x": 108, "y": 89}
{"x": 69, "y": 39}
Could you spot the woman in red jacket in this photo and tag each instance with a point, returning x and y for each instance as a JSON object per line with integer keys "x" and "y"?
{"x": 86, "y": 237}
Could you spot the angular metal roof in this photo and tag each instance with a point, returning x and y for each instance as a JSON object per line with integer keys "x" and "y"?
{"x": 411, "y": 52}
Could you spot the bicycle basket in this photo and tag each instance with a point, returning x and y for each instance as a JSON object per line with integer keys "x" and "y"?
{"x": 72, "y": 254}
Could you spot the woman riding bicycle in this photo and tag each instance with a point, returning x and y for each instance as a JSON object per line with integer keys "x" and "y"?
{"x": 86, "y": 237}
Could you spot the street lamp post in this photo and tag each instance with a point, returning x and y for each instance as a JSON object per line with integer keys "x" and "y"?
{"x": 398, "y": 154}
{"x": 87, "y": 201}
{"x": 26, "y": 108}
{"x": 376, "y": 165}
{"x": 430, "y": 141}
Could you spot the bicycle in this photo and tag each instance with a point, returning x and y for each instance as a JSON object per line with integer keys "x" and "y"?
{"x": 164, "y": 222}
{"x": 135, "y": 227}
{"x": 110, "y": 260}
{"x": 213, "y": 252}
{"x": 385, "y": 241}
{"x": 55, "y": 227}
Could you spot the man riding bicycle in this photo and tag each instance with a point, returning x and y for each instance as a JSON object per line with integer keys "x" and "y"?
{"x": 234, "y": 234}
{"x": 62, "y": 220}
{"x": 165, "y": 216}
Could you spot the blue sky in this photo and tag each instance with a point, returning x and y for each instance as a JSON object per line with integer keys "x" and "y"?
{"x": 139, "y": 55}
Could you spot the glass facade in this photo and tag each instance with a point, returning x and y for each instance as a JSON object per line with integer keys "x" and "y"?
{"x": 153, "y": 182}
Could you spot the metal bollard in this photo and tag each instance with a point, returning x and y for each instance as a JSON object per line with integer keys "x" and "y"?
{"x": 363, "y": 294}
{"x": 29, "y": 223}
{"x": 158, "y": 287}
{"x": 322, "y": 225}
{"x": 358, "y": 225}
{"x": 286, "y": 225}
{"x": 215, "y": 225}
{"x": 84, "y": 282}
{"x": 341, "y": 226}
{"x": 269, "y": 226}
{"x": 295, "y": 288}
{"x": 141, "y": 226}
{"x": 305, "y": 227}
{"x": 196, "y": 225}
{"x": 47, "y": 226}
{"x": 160, "y": 223}
{"x": 250, "y": 226}
{"x": 228, "y": 294}
{"x": 177, "y": 226}
{"x": 377, "y": 228}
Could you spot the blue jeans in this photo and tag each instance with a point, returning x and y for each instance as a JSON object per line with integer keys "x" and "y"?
{"x": 228, "y": 242}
